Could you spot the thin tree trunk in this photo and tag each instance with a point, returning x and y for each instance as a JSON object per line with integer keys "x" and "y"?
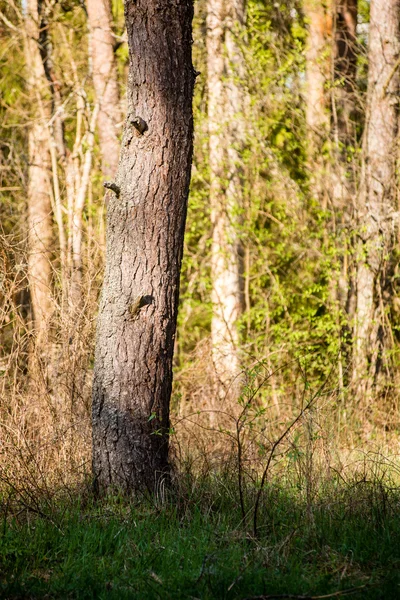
{"x": 318, "y": 73}
{"x": 331, "y": 92}
{"x": 342, "y": 170}
{"x": 77, "y": 216}
{"x": 331, "y": 63}
{"x": 145, "y": 228}
{"x": 377, "y": 221}
{"x": 55, "y": 126}
{"x": 225, "y": 114}
{"x": 40, "y": 228}
{"x": 344, "y": 104}
{"x": 105, "y": 83}
{"x": 345, "y": 108}
{"x": 345, "y": 68}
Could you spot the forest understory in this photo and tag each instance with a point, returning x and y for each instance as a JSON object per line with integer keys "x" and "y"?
{"x": 199, "y": 388}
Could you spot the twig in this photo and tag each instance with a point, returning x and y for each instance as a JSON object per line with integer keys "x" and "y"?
{"x": 7, "y": 22}
{"x": 390, "y": 77}
{"x": 275, "y": 446}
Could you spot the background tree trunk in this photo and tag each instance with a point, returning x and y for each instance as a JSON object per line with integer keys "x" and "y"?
{"x": 318, "y": 72}
{"x": 344, "y": 102}
{"x": 40, "y": 226}
{"x": 331, "y": 64}
{"x": 77, "y": 205}
{"x": 345, "y": 67}
{"x": 377, "y": 221}
{"x": 226, "y": 139}
{"x": 145, "y": 229}
{"x": 343, "y": 170}
{"x": 105, "y": 83}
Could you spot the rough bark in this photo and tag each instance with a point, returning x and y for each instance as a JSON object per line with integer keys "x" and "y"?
{"x": 226, "y": 136}
{"x": 377, "y": 221}
{"x": 145, "y": 229}
{"x": 40, "y": 232}
{"x": 105, "y": 83}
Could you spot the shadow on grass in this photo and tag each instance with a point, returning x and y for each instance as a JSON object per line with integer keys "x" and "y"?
{"x": 196, "y": 545}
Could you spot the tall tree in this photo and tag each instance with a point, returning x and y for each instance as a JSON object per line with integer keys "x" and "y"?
{"x": 225, "y": 19}
{"x": 39, "y": 189}
{"x": 344, "y": 93}
{"x": 105, "y": 83}
{"x": 343, "y": 166}
{"x": 345, "y": 66}
{"x": 318, "y": 70}
{"x": 377, "y": 203}
{"x": 145, "y": 229}
{"x": 331, "y": 67}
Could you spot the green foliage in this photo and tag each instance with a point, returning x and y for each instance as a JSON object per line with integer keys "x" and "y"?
{"x": 290, "y": 257}
{"x": 13, "y": 139}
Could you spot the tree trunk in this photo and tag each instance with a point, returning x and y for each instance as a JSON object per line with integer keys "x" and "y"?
{"x": 77, "y": 204}
{"x": 40, "y": 227}
{"x": 105, "y": 83}
{"x": 344, "y": 103}
{"x": 345, "y": 67}
{"x": 377, "y": 221}
{"x": 343, "y": 156}
{"x": 145, "y": 229}
{"x": 331, "y": 92}
{"x": 331, "y": 63}
{"x": 318, "y": 72}
{"x": 343, "y": 175}
{"x": 226, "y": 139}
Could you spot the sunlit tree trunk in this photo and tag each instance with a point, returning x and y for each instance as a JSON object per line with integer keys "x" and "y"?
{"x": 78, "y": 177}
{"x": 345, "y": 68}
{"x": 40, "y": 233}
{"x": 226, "y": 139}
{"x": 377, "y": 221}
{"x": 344, "y": 158}
{"x": 318, "y": 74}
{"x": 331, "y": 62}
{"x": 106, "y": 116}
{"x": 343, "y": 96}
{"x": 145, "y": 227}
{"x": 105, "y": 83}
{"x": 343, "y": 170}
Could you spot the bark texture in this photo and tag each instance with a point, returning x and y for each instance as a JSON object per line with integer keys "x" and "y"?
{"x": 40, "y": 231}
{"x": 377, "y": 218}
{"x": 145, "y": 229}
{"x": 105, "y": 83}
{"x": 226, "y": 138}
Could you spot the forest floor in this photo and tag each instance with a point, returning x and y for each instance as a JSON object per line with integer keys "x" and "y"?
{"x": 340, "y": 538}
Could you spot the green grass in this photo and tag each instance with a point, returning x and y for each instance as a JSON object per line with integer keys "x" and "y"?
{"x": 196, "y": 546}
